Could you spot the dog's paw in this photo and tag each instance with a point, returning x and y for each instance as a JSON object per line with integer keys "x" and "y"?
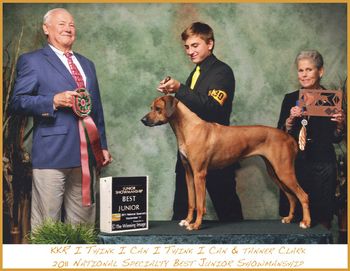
{"x": 304, "y": 225}
{"x": 286, "y": 220}
{"x": 184, "y": 223}
{"x": 189, "y": 227}
{"x": 193, "y": 227}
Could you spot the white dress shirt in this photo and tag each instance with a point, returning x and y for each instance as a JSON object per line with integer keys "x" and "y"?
{"x": 64, "y": 60}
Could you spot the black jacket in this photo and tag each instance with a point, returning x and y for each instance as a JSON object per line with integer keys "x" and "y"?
{"x": 320, "y": 131}
{"x": 211, "y": 99}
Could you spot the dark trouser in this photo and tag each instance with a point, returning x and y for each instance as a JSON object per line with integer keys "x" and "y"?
{"x": 318, "y": 179}
{"x": 221, "y": 186}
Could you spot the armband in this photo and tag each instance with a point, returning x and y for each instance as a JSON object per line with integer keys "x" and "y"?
{"x": 218, "y": 95}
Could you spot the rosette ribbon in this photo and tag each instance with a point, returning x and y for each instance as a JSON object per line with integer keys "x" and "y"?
{"x": 90, "y": 146}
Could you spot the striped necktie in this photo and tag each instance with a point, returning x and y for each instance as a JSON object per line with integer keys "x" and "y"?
{"x": 78, "y": 78}
{"x": 195, "y": 77}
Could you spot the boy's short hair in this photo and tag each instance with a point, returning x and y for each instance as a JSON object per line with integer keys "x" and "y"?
{"x": 199, "y": 29}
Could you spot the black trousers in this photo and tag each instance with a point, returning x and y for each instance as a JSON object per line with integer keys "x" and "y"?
{"x": 318, "y": 179}
{"x": 221, "y": 186}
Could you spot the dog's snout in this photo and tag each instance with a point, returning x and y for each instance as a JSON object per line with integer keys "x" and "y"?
{"x": 144, "y": 120}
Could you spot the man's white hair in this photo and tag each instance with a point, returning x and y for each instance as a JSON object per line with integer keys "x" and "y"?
{"x": 50, "y": 12}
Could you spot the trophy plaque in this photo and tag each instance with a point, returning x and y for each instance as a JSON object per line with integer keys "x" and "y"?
{"x": 123, "y": 204}
{"x": 319, "y": 102}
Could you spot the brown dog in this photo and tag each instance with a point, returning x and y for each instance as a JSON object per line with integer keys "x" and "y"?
{"x": 205, "y": 146}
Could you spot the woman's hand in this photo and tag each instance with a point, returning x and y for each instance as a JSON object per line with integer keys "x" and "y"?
{"x": 295, "y": 111}
{"x": 339, "y": 118}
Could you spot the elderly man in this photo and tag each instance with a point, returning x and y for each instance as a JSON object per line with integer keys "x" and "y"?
{"x": 45, "y": 89}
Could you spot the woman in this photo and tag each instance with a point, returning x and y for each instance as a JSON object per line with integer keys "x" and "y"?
{"x": 315, "y": 164}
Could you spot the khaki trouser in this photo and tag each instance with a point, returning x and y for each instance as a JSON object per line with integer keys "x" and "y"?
{"x": 54, "y": 189}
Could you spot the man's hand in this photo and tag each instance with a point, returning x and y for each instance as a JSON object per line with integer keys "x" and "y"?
{"x": 64, "y": 99}
{"x": 168, "y": 85}
{"x": 107, "y": 158}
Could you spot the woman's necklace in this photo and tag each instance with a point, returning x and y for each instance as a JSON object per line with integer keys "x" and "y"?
{"x": 303, "y": 132}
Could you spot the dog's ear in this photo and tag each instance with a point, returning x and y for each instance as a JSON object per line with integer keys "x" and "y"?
{"x": 170, "y": 104}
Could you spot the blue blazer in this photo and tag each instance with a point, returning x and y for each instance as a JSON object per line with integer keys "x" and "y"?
{"x": 41, "y": 75}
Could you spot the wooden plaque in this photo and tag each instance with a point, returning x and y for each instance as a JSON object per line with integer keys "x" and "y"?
{"x": 318, "y": 102}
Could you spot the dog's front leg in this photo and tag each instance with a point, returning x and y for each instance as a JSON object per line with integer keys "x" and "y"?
{"x": 191, "y": 195}
{"x": 200, "y": 189}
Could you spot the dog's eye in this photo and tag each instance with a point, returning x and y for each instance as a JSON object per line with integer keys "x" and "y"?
{"x": 157, "y": 109}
